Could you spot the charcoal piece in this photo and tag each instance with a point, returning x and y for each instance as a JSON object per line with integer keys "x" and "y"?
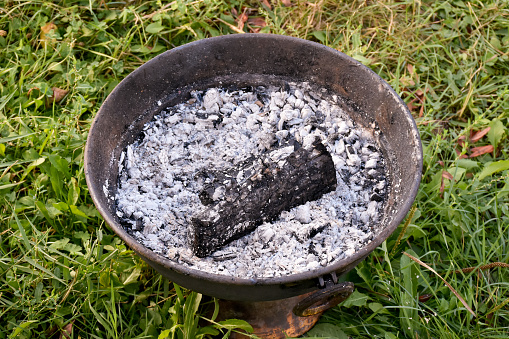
{"x": 315, "y": 231}
{"x": 257, "y": 192}
{"x": 223, "y": 256}
{"x": 312, "y": 249}
{"x": 306, "y": 232}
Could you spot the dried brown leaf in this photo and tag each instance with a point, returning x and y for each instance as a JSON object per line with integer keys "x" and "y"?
{"x": 420, "y": 93}
{"x": 58, "y": 95}
{"x": 477, "y": 151}
{"x": 425, "y": 297}
{"x": 287, "y": 3}
{"x": 66, "y": 331}
{"x": 411, "y": 71}
{"x": 412, "y": 106}
{"x": 442, "y": 187}
{"x": 461, "y": 156}
{"x": 266, "y": 3}
{"x": 461, "y": 140}
{"x": 447, "y": 175}
{"x": 241, "y": 20}
{"x": 478, "y": 135}
{"x": 257, "y": 21}
{"x": 420, "y": 97}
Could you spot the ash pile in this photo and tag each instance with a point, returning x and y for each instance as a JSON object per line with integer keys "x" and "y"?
{"x": 253, "y": 182}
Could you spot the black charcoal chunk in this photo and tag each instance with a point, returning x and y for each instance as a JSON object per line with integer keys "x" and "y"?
{"x": 276, "y": 186}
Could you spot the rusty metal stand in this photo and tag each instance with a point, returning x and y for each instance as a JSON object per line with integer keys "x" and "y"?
{"x": 270, "y": 319}
{"x": 290, "y": 317}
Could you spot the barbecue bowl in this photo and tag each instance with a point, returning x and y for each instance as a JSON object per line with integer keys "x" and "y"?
{"x": 252, "y": 60}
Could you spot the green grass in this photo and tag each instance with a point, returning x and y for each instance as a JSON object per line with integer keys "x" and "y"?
{"x": 61, "y": 267}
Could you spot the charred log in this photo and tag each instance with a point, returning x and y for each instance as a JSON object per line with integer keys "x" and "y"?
{"x": 258, "y": 191}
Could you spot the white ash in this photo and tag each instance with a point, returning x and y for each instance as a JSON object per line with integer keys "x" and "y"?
{"x": 217, "y": 129}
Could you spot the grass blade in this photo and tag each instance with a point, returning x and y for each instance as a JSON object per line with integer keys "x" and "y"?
{"x": 15, "y": 137}
{"x": 445, "y": 282}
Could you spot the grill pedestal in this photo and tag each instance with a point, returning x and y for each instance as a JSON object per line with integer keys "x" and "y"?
{"x": 270, "y": 319}
{"x": 284, "y": 318}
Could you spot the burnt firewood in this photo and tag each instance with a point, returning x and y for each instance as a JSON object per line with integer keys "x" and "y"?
{"x": 258, "y": 191}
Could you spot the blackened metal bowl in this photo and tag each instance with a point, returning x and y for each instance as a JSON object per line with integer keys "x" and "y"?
{"x": 242, "y": 60}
